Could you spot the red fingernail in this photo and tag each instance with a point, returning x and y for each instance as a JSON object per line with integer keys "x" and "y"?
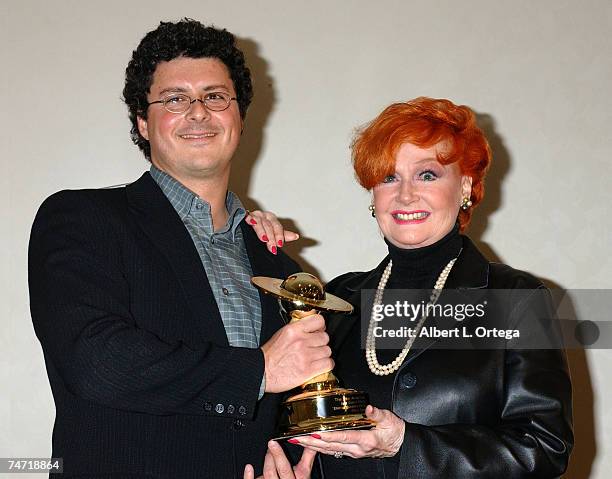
{"x": 252, "y": 221}
{"x": 264, "y": 238}
{"x": 280, "y": 243}
{"x": 293, "y": 441}
{"x": 316, "y": 436}
{"x": 273, "y": 249}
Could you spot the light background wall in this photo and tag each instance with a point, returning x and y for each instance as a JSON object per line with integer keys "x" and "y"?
{"x": 538, "y": 73}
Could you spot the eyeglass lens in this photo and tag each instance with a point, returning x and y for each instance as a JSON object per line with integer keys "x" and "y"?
{"x": 180, "y": 103}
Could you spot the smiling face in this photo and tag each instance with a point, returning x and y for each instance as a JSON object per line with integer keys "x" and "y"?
{"x": 418, "y": 204}
{"x": 198, "y": 144}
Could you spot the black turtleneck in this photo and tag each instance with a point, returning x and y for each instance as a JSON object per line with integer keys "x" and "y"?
{"x": 419, "y": 268}
{"x": 412, "y": 269}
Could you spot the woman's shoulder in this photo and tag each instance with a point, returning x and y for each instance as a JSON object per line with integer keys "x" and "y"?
{"x": 475, "y": 267}
{"x": 348, "y": 282}
{"x": 340, "y": 282}
{"x": 502, "y": 276}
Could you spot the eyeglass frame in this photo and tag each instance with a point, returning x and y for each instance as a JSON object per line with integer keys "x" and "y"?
{"x": 191, "y": 102}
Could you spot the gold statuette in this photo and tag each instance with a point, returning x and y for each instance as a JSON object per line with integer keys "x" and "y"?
{"x": 321, "y": 405}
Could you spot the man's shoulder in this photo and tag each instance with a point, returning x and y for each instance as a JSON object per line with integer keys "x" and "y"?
{"x": 94, "y": 209}
{"x": 290, "y": 266}
{"x": 284, "y": 263}
{"x": 86, "y": 194}
{"x": 84, "y": 201}
{"x": 110, "y": 199}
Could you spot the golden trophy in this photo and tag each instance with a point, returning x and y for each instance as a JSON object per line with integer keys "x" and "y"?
{"x": 322, "y": 405}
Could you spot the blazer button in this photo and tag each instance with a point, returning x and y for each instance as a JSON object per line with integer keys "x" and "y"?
{"x": 219, "y": 408}
{"x": 231, "y": 409}
{"x": 408, "y": 380}
{"x": 238, "y": 424}
{"x": 207, "y": 406}
{"x": 242, "y": 410}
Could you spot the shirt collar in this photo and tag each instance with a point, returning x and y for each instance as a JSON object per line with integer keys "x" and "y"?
{"x": 184, "y": 201}
{"x": 236, "y": 213}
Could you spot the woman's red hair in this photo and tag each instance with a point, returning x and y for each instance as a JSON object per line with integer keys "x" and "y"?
{"x": 424, "y": 122}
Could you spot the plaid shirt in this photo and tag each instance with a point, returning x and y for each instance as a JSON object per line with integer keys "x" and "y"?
{"x": 224, "y": 257}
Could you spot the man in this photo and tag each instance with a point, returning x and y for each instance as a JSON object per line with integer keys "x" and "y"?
{"x": 141, "y": 298}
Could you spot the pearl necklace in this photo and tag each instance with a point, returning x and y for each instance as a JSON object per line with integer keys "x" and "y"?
{"x": 373, "y": 364}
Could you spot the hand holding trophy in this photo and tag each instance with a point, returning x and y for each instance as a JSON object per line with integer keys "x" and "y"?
{"x": 322, "y": 405}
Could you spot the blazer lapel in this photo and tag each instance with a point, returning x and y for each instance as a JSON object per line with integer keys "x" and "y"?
{"x": 157, "y": 218}
{"x": 263, "y": 263}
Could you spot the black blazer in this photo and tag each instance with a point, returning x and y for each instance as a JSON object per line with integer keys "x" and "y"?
{"x": 495, "y": 413}
{"x": 143, "y": 377}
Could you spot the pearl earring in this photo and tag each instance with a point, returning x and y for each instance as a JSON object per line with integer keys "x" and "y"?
{"x": 465, "y": 203}
{"x": 372, "y": 209}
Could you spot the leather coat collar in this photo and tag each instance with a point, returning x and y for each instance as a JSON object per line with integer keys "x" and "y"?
{"x": 470, "y": 271}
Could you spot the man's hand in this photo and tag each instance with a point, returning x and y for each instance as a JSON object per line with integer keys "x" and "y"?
{"x": 277, "y": 466}
{"x": 296, "y": 353}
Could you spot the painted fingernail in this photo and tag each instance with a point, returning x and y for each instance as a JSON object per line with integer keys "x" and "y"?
{"x": 252, "y": 221}
{"x": 280, "y": 243}
{"x": 273, "y": 249}
{"x": 264, "y": 238}
{"x": 293, "y": 441}
{"x": 316, "y": 436}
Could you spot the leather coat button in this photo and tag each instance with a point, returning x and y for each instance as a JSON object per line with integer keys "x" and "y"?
{"x": 219, "y": 408}
{"x": 408, "y": 380}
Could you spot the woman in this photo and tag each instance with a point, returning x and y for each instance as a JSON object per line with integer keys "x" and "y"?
{"x": 440, "y": 411}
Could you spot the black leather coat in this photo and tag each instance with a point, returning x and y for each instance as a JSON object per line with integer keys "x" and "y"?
{"x": 499, "y": 413}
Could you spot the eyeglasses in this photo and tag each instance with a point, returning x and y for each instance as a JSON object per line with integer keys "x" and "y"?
{"x": 181, "y": 103}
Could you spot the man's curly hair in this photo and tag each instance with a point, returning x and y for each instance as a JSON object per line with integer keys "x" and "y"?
{"x": 185, "y": 38}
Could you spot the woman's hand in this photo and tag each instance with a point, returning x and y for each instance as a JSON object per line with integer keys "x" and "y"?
{"x": 269, "y": 230}
{"x": 384, "y": 440}
{"x": 277, "y": 466}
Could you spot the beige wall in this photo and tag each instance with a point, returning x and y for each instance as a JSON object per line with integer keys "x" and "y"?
{"x": 538, "y": 73}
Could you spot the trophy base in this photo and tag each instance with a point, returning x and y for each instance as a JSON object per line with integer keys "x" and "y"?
{"x": 319, "y": 411}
